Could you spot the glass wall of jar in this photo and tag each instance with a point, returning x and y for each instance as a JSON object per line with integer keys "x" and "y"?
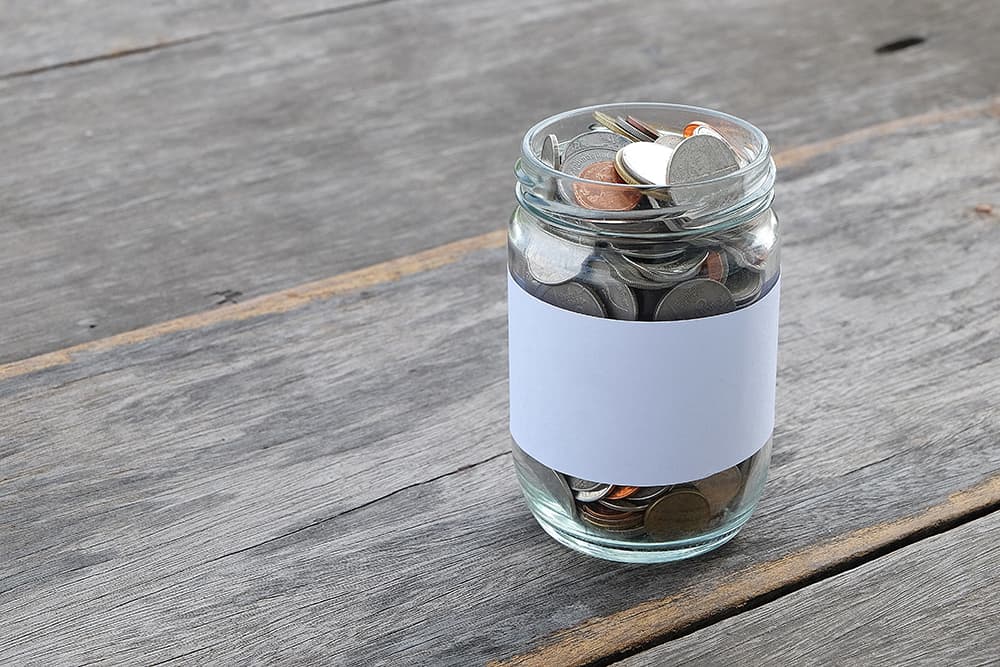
{"x": 644, "y": 212}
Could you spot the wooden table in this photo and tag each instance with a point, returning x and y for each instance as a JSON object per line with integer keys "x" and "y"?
{"x": 253, "y": 381}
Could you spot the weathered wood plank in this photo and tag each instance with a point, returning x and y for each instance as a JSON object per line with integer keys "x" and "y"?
{"x": 932, "y": 603}
{"x": 151, "y": 186}
{"x": 38, "y": 35}
{"x": 299, "y": 484}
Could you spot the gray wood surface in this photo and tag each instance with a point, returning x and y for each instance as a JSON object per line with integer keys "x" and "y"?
{"x": 330, "y": 485}
{"x": 59, "y": 33}
{"x": 147, "y": 187}
{"x": 935, "y": 602}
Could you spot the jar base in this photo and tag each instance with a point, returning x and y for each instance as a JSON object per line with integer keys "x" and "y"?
{"x": 637, "y": 552}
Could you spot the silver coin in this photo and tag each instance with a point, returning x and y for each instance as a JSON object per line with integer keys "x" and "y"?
{"x": 573, "y": 296}
{"x": 619, "y": 300}
{"x": 645, "y": 161}
{"x": 700, "y": 157}
{"x": 693, "y": 299}
{"x": 608, "y": 141}
{"x": 594, "y": 495}
{"x": 673, "y": 270}
{"x": 625, "y": 505}
{"x": 547, "y": 480}
{"x": 630, "y": 274}
{"x": 551, "y": 260}
{"x": 649, "y": 493}
{"x": 550, "y": 151}
{"x": 580, "y": 484}
{"x": 670, "y": 139}
{"x": 745, "y": 285}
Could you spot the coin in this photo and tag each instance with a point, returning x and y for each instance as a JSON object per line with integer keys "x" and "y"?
{"x": 574, "y": 297}
{"x": 619, "y": 492}
{"x": 592, "y": 495}
{"x": 716, "y": 267}
{"x": 551, "y": 260}
{"x": 648, "y": 130}
{"x": 550, "y": 151}
{"x": 580, "y": 484}
{"x": 672, "y": 270}
{"x": 678, "y": 514}
{"x": 644, "y": 162}
{"x": 543, "y": 478}
{"x": 626, "y": 505}
{"x": 745, "y": 285}
{"x": 604, "y": 197}
{"x": 646, "y": 493}
{"x": 619, "y": 300}
{"x": 719, "y": 489}
{"x": 695, "y": 298}
{"x": 609, "y": 518}
{"x": 670, "y": 139}
{"x": 701, "y": 157}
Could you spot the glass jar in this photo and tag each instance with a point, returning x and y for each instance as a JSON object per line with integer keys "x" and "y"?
{"x": 643, "y": 330}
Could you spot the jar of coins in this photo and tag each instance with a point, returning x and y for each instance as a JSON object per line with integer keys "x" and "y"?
{"x": 643, "y": 312}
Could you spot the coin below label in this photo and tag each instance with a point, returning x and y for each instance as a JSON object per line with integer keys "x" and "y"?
{"x": 720, "y": 489}
{"x": 645, "y": 162}
{"x": 604, "y": 197}
{"x": 677, "y": 514}
{"x": 701, "y": 297}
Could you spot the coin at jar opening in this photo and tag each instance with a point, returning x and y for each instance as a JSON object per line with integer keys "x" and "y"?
{"x": 620, "y": 128}
{"x": 548, "y": 480}
{"x": 720, "y": 489}
{"x": 604, "y": 197}
{"x": 700, "y": 157}
{"x": 586, "y": 149}
{"x": 745, "y": 285}
{"x": 644, "y": 163}
{"x": 670, "y": 139}
{"x": 696, "y": 298}
{"x": 645, "y": 128}
{"x": 550, "y": 151}
{"x": 593, "y": 495}
{"x": 574, "y": 297}
{"x": 677, "y": 514}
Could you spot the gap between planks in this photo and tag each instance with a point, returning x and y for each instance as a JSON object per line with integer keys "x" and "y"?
{"x": 395, "y": 269}
{"x": 181, "y": 41}
{"x": 604, "y": 640}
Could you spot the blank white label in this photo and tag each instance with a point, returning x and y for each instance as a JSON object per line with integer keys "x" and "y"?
{"x": 641, "y": 403}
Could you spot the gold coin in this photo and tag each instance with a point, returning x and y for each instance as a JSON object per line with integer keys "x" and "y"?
{"x": 720, "y": 489}
{"x": 679, "y": 514}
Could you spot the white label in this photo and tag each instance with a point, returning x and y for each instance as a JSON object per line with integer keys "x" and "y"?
{"x": 641, "y": 403}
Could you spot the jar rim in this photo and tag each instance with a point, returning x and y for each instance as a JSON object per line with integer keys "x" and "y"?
{"x": 763, "y": 155}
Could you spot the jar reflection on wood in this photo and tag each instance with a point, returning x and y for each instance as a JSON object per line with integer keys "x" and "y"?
{"x": 644, "y": 213}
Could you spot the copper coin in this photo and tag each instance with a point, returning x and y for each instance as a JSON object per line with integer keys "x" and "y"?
{"x": 716, "y": 266}
{"x": 604, "y": 198}
{"x": 720, "y": 488}
{"x": 692, "y": 127}
{"x": 677, "y": 514}
{"x": 619, "y": 492}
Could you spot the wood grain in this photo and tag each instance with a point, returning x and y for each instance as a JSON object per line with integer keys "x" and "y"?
{"x": 932, "y": 603}
{"x": 71, "y": 33}
{"x": 394, "y": 269}
{"x": 330, "y": 485}
{"x": 150, "y": 187}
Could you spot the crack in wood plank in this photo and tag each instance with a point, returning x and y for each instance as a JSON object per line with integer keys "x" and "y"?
{"x": 448, "y": 253}
{"x": 191, "y": 39}
{"x": 601, "y": 641}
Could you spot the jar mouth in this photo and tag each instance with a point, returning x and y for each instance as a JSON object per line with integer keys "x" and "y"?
{"x": 648, "y": 210}
{"x": 762, "y": 152}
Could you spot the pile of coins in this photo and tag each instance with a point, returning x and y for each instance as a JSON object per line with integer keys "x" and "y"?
{"x": 655, "y": 512}
{"x": 686, "y": 269}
